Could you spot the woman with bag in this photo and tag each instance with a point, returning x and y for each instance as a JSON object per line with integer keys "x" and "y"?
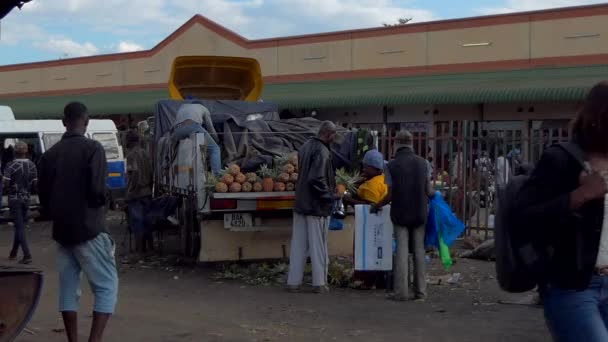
{"x": 562, "y": 206}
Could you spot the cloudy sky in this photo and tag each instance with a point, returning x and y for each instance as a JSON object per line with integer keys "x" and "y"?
{"x": 53, "y": 29}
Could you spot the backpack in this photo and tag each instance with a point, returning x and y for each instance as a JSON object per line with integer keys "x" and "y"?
{"x": 519, "y": 260}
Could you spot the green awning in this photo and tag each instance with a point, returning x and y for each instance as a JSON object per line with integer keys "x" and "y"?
{"x": 568, "y": 84}
{"x": 40, "y": 107}
{"x": 535, "y": 85}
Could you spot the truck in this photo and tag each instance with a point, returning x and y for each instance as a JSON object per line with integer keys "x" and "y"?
{"x": 241, "y": 225}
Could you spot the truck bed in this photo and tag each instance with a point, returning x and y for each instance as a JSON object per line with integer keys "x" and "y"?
{"x": 255, "y": 195}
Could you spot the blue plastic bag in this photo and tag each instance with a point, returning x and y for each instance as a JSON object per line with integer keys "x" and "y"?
{"x": 448, "y": 225}
{"x": 335, "y": 224}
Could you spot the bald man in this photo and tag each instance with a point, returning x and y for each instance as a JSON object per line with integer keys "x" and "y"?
{"x": 315, "y": 193}
{"x": 20, "y": 178}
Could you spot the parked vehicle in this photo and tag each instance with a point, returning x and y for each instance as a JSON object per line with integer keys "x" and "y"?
{"x": 40, "y": 135}
{"x": 232, "y": 225}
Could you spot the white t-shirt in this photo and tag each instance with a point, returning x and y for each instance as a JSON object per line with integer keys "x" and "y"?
{"x": 503, "y": 170}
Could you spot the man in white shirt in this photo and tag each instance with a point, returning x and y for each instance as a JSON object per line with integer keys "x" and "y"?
{"x": 503, "y": 169}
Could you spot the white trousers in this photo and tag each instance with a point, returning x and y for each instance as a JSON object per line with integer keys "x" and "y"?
{"x": 309, "y": 238}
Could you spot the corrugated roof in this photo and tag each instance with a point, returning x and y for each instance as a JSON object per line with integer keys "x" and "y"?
{"x": 533, "y": 85}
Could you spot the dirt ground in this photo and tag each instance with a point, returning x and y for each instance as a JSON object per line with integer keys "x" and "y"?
{"x": 165, "y": 303}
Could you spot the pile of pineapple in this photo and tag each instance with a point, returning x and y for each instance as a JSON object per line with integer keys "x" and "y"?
{"x": 282, "y": 177}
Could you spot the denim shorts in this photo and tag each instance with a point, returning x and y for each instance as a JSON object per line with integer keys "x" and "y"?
{"x": 94, "y": 258}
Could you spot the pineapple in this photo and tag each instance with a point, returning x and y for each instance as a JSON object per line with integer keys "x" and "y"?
{"x": 293, "y": 159}
{"x": 240, "y": 178}
{"x": 279, "y": 186}
{"x": 283, "y": 177}
{"x": 281, "y": 161}
{"x": 210, "y": 182}
{"x": 235, "y": 187}
{"x": 293, "y": 177}
{"x": 246, "y": 187}
{"x": 221, "y": 187}
{"x": 226, "y": 176}
{"x": 227, "y": 179}
{"x": 346, "y": 182}
{"x": 267, "y": 178}
{"x": 234, "y": 169}
{"x": 251, "y": 177}
{"x": 289, "y": 169}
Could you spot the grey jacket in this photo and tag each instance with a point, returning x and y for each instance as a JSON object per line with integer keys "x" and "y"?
{"x": 317, "y": 179}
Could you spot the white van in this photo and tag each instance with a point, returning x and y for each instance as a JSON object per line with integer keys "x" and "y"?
{"x": 41, "y": 135}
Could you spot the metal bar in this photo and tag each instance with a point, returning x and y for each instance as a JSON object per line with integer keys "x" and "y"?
{"x": 477, "y": 44}
{"x": 478, "y": 185}
{"x": 313, "y": 58}
{"x": 465, "y": 158}
{"x": 390, "y": 52}
{"x": 582, "y": 35}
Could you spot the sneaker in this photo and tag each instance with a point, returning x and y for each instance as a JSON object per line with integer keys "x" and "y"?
{"x": 173, "y": 220}
{"x": 12, "y": 256}
{"x": 293, "y": 289}
{"x": 26, "y": 260}
{"x": 320, "y": 289}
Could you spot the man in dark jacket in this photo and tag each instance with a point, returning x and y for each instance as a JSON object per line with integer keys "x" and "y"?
{"x": 139, "y": 192}
{"x": 72, "y": 184}
{"x": 315, "y": 192}
{"x": 408, "y": 190}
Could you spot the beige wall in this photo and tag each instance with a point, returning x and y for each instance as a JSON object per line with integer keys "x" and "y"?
{"x": 520, "y": 41}
{"x": 570, "y": 37}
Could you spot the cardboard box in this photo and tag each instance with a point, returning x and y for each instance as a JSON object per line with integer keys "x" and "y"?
{"x": 373, "y": 239}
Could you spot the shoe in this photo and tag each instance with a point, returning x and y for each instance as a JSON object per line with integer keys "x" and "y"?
{"x": 293, "y": 289}
{"x": 395, "y": 297}
{"x": 12, "y": 256}
{"x": 173, "y": 220}
{"x": 320, "y": 289}
{"x": 26, "y": 260}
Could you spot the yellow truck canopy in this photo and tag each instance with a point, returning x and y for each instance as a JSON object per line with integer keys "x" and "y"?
{"x": 215, "y": 78}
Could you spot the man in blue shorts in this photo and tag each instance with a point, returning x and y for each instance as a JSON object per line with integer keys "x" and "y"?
{"x": 72, "y": 185}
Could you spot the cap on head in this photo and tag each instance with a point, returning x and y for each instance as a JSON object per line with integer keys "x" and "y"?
{"x": 374, "y": 159}
{"x": 75, "y": 112}
{"x": 21, "y": 148}
{"x": 404, "y": 138}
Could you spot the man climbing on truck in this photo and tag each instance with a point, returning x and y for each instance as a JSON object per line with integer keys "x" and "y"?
{"x": 190, "y": 118}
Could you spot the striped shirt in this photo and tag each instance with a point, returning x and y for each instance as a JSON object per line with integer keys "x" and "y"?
{"x": 21, "y": 175}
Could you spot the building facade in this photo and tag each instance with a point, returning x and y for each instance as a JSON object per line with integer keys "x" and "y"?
{"x": 521, "y": 72}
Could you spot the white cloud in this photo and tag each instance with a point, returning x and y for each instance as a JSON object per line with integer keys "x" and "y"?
{"x": 140, "y": 24}
{"x": 129, "y": 47}
{"x": 531, "y": 5}
{"x": 68, "y": 48}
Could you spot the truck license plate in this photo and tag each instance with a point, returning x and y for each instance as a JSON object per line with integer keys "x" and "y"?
{"x": 239, "y": 220}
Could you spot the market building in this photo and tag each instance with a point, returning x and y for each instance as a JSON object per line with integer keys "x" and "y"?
{"x": 517, "y": 73}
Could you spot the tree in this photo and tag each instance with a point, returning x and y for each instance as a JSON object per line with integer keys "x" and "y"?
{"x": 400, "y": 22}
